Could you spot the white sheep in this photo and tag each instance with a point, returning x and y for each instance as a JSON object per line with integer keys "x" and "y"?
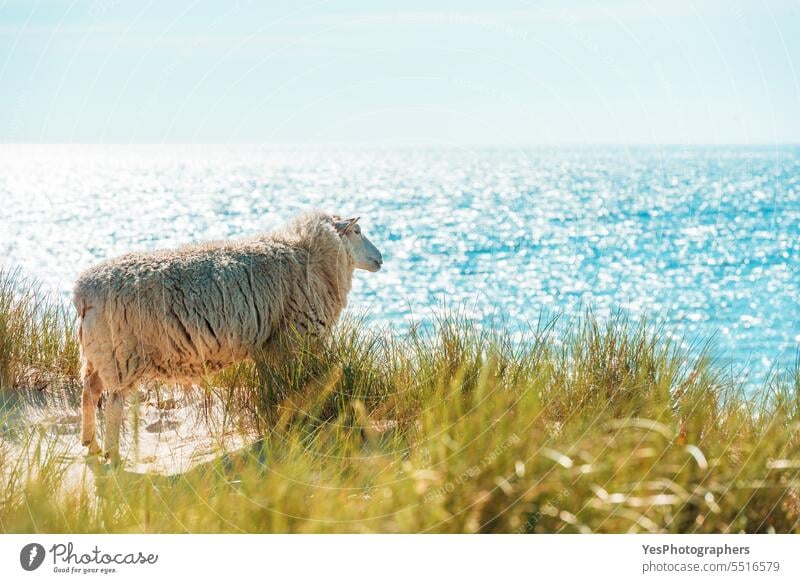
{"x": 179, "y": 314}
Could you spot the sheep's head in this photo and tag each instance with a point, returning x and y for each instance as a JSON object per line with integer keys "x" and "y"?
{"x": 366, "y": 255}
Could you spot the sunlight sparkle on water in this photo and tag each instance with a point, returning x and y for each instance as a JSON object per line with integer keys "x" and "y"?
{"x": 706, "y": 239}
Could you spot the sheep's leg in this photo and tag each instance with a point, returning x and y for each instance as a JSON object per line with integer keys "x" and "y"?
{"x": 114, "y": 411}
{"x": 92, "y": 390}
{"x": 268, "y": 361}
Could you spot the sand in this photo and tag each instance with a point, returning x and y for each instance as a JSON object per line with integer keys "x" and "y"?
{"x": 163, "y": 435}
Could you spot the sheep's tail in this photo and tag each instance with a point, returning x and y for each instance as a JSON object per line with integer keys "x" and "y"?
{"x": 80, "y": 307}
{"x": 79, "y": 301}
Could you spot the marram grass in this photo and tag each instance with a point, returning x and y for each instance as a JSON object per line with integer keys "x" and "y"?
{"x": 593, "y": 426}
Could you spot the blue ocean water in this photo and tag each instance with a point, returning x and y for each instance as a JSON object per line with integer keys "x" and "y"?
{"x": 705, "y": 239}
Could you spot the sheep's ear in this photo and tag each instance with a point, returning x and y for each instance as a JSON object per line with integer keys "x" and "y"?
{"x": 343, "y": 226}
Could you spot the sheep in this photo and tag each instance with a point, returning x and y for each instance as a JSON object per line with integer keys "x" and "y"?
{"x": 179, "y": 314}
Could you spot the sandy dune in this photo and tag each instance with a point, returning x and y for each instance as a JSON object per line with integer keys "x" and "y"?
{"x": 165, "y": 435}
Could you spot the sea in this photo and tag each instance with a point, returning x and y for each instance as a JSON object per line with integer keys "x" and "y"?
{"x": 702, "y": 241}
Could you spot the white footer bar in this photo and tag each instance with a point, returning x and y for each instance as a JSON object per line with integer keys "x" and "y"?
{"x": 389, "y": 558}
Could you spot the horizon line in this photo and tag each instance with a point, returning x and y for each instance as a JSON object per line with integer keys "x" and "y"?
{"x": 400, "y": 145}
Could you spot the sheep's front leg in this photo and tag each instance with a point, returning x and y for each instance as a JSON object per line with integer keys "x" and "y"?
{"x": 92, "y": 389}
{"x": 114, "y": 411}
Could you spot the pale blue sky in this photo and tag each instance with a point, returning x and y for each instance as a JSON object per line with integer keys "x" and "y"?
{"x": 441, "y": 73}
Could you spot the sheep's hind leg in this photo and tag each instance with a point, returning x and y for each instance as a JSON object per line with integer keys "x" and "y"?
{"x": 114, "y": 411}
{"x": 92, "y": 390}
